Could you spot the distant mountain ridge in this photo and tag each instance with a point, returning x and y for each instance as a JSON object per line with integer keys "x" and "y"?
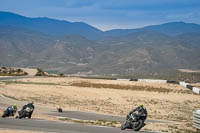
{"x": 152, "y": 49}
{"x": 50, "y": 26}
{"x": 62, "y": 27}
{"x": 172, "y": 29}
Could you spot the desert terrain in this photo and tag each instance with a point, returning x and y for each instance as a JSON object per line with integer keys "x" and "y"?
{"x": 167, "y": 102}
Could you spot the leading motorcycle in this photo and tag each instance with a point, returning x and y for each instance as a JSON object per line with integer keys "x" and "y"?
{"x": 134, "y": 121}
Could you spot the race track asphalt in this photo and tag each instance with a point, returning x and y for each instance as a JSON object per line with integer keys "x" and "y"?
{"x": 58, "y": 127}
{"x": 94, "y": 116}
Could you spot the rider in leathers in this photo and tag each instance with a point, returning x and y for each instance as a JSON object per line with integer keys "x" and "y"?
{"x": 12, "y": 110}
{"x": 142, "y": 112}
{"x": 30, "y": 105}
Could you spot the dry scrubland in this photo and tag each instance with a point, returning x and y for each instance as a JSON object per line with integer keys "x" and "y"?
{"x": 163, "y": 101}
{"x": 196, "y": 85}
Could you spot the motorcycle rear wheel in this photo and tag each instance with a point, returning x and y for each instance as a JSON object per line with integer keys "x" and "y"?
{"x": 139, "y": 125}
{"x": 22, "y": 115}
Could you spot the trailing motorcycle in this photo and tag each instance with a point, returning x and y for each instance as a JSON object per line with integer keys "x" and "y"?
{"x": 5, "y": 114}
{"x": 59, "y": 109}
{"x": 134, "y": 121}
{"x": 10, "y": 111}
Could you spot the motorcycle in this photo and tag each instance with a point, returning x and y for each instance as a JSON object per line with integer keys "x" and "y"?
{"x": 5, "y": 114}
{"x": 133, "y": 121}
{"x": 60, "y": 110}
{"x": 27, "y": 112}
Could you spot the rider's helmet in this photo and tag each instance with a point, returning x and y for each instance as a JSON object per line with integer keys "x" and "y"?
{"x": 31, "y": 102}
{"x": 58, "y": 106}
{"x": 14, "y": 107}
{"x": 141, "y": 107}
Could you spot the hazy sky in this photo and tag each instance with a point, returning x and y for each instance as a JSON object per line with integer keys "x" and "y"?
{"x": 109, "y": 14}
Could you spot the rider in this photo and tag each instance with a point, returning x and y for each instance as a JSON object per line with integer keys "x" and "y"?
{"x": 30, "y": 105}
{"x": 12, "y": 109}
{"x": 59, "y": 109}
{"x": 141, "y": 111}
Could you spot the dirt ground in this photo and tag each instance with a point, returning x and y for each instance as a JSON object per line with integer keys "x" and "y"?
{"x": 196, "y": 85}
{"x": 163, "y": 101}
{"x": 30, "y": 71}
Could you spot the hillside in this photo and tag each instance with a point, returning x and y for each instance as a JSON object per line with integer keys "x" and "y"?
{"x": 55, "y": 27}
{"x": 50, "y": 26}
{"x": 147, "y": 51}
{"x": 142, "y": 51}
{"x": 171, "y": 29}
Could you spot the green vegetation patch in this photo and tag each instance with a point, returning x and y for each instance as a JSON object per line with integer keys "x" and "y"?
{"x": 6, "y": 74}
{"x": 33, "y": 83}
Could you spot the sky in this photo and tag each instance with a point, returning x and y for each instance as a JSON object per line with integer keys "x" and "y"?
{"x": 109, "y": 14}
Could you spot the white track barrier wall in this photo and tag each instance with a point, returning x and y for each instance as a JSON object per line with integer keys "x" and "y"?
{"x": 196, "y": 90}
{"x": 183, "y": 84}
{"x": 124, "y": 79}
{"x": 152, "y": 80}
{"x": 186, "y": 85}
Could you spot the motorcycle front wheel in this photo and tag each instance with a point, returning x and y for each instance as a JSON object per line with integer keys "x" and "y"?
{"x": 5, "y": 114}
{"x": 139, "y": 125}
{"x": 124, "y": 125}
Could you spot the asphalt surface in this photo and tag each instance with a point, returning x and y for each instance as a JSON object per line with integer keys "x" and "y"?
{"x": 2, "y": 78}
{"x": 52, "y": 126}
{"x": 86, "y": 116}
{"x": 93, "y": 116}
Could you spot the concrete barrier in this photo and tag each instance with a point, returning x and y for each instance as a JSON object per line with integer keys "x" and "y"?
{"x": 133, "y": 79}
{"x": 124, "y": 79}
{"x": 172, "y": 82}
{"x": 183, "y": 84}
{"x": 189, "y": 87}
{"x": 152, "y": 80}
{"x": 186, "y": 85}
{"x": 196, "y": 90}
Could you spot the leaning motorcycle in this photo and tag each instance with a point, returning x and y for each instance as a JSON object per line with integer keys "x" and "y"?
{"x": 134, "y": 121}
{"x": 27, "y": 112}
{"x": 5, "y": 114}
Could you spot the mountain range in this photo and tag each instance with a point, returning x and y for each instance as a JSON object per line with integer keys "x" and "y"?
{"x": 78, "y": 48}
